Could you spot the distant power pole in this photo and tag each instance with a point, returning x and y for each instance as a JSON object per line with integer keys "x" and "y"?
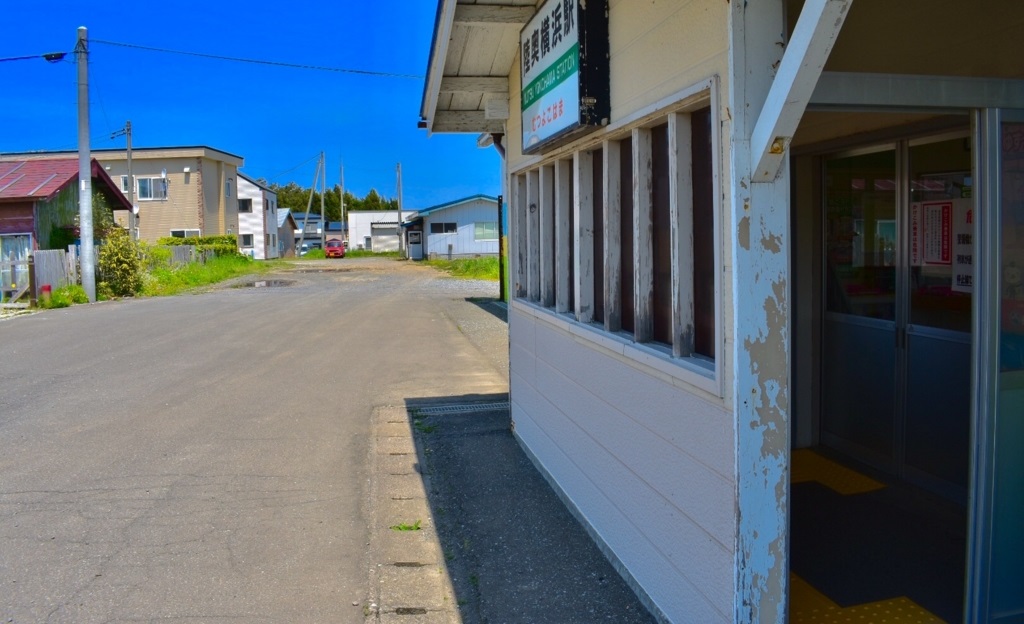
{"x": 341, "y": 196}
{"x": 323, "y": 191}
{"x": 88, "y": 259}
{"x": 132, "y": 223}
{"x": 398, "y": 171}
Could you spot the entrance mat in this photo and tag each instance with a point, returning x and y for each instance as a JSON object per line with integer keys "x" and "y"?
{"x": 810, "y": 466}
{"x": 878, "y": 546}
{"x": 809, "y": 606}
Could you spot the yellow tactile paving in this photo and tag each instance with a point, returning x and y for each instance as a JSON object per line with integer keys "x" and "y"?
{"x": 809, "y": 606}
{"x": 809, "y": 466}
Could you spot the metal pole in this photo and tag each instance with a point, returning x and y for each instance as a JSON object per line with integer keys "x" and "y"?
{"x": 341, "y": 197}
{"x": 398, "y": 170}
{"x": 88, "y": 258}
{"x": 323, "y": 215}
{"x": 133, "y": 223}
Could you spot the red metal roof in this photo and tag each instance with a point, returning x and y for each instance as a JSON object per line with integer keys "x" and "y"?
{"x": 43, "y": 178}
{"x": 36, "y": 179}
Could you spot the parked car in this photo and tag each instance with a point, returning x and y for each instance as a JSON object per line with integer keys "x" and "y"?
{"x": 335, "y": 249}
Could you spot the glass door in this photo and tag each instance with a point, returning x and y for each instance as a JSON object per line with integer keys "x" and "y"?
{"x": 898, "y": 282}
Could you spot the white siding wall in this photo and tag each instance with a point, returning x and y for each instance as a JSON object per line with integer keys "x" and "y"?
{"x": 647, "y": 465}
{"x": 462, "y": 242}
{"x": 359, "y": 223}
{"x": 646, "y": 460}
{"x": 254, "y": 222}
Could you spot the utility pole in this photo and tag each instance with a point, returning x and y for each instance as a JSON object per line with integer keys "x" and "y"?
{"x": 88, "y": 259}
{"x": 341, "y": 196}
{"x": 133, "y": 226}
{"x": 323, "y": 215}
{"x": 398, "y": 171}
{"x": 309, "y": 206}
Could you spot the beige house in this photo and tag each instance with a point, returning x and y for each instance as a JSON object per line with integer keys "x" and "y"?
{"x": 179, "y": 191}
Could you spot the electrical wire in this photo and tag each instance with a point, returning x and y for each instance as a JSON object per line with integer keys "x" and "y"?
{"x": 306, "y": 162}
{"x": 258, "y": 61}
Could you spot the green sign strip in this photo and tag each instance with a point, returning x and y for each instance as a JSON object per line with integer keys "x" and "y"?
{"x": 555, "y": 74}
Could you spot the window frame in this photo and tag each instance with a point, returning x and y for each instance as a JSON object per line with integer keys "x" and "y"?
{"x": 492, "y": 230}
{"x": 671, "y": 116}
{"x": 447, "y": 227}
{"x": 242, "y": 239}
{"x": 162, "y": 184}
{"x": 244, "y": 202}
{"x": 185, "y": 232}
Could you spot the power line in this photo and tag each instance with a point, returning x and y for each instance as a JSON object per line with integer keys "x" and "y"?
{"x": 258, "y": 61}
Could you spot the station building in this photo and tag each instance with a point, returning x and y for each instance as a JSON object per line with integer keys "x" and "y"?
{"x": 767, "y": 312}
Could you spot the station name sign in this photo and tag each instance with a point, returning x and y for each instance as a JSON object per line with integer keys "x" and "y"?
{"x": 564, "y": 71}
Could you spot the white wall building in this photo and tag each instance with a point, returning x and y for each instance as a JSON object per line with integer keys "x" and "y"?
{"x": 463, "y": 228}
{"x": 257, "y": 219}
{"x": 375, "y": 230}
{"x": 744, "y": 234}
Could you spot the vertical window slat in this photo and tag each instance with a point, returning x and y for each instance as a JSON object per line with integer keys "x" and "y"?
{"x": 563, "y": 236}
{"x": 643, "y": 266}
{"x": 520, "y": 210}
{"x": 533, "y": 235}
{"x": 583, "y": 244}
{"x": 681, "y": 208}
{"x": 546, "y": 210}
{"x": 612, "y": 236}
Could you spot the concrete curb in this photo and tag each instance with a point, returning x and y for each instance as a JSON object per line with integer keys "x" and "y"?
{"x": 408, "y": 580}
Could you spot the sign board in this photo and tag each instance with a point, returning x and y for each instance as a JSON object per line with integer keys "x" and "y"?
{"x": 564, "y": 71}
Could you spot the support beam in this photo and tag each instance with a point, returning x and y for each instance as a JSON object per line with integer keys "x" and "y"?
{"x": 478, "y": 14}
{"x": 474, "y": 84}
{"x": 473, "y": 122}
{"x": 815, "y": 33}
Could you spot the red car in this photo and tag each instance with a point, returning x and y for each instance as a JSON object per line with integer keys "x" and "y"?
{"x": 334, "y": 249}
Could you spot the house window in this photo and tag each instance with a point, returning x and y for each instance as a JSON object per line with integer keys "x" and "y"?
{"x": 246, "y": 240}
{"x": 245, "y": 205}
{"x": 184, "y": 233}
{"x": 227, "y": 187}
{"x": 152, "y": 188}
{"x": 485, "y": 230}
{"x": 444, "y": 228}
{"x": 640, "y": 214}
{"x": 124, "y": 184}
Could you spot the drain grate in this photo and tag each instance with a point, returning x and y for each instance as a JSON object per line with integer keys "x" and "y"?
{"x": 460, "y": 408}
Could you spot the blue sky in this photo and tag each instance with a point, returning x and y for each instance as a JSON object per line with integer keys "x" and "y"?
{"x": 277, "y": 118}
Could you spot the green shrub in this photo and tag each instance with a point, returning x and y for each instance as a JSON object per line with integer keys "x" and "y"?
{"x": 120, "y": 265}
{"x": 154, "y": 257}
{"x": 64, "y": 297}
{"x": 221, "y": 245}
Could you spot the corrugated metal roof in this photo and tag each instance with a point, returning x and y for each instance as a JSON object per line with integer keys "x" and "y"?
{"x": 36, "y": 179}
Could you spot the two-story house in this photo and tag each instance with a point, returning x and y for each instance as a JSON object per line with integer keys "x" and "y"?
{"x": 179, "y": 191}
{"x": 257, "y": 219}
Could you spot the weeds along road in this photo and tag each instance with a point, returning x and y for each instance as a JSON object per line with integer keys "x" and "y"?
{"x": 203, "y": 457}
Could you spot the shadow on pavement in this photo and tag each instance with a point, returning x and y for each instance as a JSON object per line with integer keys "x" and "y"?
{"x": 513, "y": 551}
{"x": 491, "y": 305}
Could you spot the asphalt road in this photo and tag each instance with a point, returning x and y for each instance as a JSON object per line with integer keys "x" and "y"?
{"x": 202, "y": 458}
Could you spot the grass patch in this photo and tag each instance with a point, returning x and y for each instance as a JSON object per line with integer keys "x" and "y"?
{"x": 363, "y": 253}
{"x": 469, "y": 268}
{"x": 406, "y": 527}
{"x": 64, "y": 297}
{"x": 163, "y": 281}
